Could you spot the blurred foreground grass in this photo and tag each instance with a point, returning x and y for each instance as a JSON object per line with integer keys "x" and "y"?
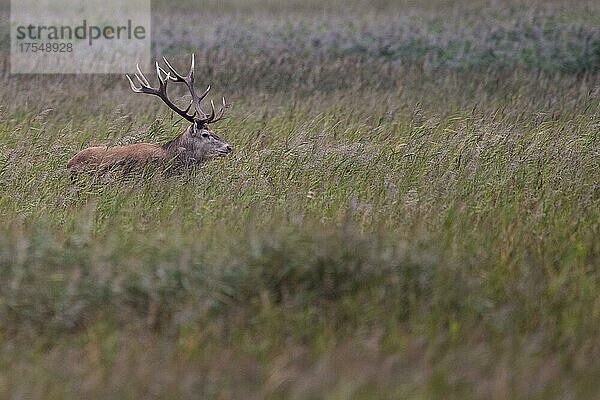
{"x": 385, "y": 228}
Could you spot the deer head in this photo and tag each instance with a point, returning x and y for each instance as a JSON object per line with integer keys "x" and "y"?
{"x": 198, "y": 142}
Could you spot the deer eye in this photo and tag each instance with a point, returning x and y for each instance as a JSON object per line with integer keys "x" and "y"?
{"x": 204, "y": 135}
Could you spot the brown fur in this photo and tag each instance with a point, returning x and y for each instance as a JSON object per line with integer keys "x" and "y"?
{"x": 104, "y": 158}
{"x": 194, "y": 146}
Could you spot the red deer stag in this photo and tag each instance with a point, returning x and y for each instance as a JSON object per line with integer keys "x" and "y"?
{"x": 195, "y": 145}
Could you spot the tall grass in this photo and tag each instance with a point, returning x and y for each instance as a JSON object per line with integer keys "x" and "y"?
{"x": 383, "y": 230}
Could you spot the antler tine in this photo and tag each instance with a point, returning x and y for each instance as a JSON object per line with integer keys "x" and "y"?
{"x": 212, "y": 111}
{"x": 140, "y": 80}
{"x": 211, "y": 118}
{"x": 160, "y": 72}
{"x": 161, "y": 82}
{"x": 133, "y": 87}
{"x": 203, "y": 95}
{"x": 191, "y": 74}
{"x": 177, "y": 76}
{"x": 141, "y": 76}
{"x": 143, "y": 88}
{"x": 221, "y": 111}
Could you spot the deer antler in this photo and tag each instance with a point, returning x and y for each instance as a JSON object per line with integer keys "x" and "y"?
{"x": 189, "y": 82}
{"x": 160, "y": 92}
{"x": 163, "y": 79}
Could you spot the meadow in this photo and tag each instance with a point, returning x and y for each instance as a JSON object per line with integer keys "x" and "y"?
{"x": 412, "y": 210}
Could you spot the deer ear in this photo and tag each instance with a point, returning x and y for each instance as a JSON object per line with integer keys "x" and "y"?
{"x": 193, "y": 129}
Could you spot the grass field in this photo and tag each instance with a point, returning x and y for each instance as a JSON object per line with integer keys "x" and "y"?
{"x": 412, "y": 211}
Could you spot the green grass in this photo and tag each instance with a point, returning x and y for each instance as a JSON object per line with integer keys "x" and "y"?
{"x": 381, "y": 230}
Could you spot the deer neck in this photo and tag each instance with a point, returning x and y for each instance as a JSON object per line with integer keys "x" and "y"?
{"x": 175, "y": 146}
{"x": 181, "y": 149}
